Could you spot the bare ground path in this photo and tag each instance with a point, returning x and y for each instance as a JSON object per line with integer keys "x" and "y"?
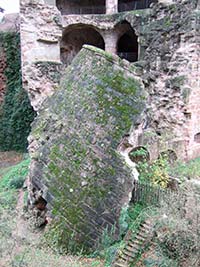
{"x": 21, "y": 247}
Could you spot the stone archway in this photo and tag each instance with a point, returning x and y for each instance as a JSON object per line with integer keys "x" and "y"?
{"x": 75, "y": 37}
{"x": 127, "y": 45}
{"x": 81, "y": 7}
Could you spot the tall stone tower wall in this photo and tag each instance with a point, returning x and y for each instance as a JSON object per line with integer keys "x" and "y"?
{"x": 171, "y": 70}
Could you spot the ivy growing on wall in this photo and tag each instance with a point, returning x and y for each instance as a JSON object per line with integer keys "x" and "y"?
{"x": 16, "y": 113}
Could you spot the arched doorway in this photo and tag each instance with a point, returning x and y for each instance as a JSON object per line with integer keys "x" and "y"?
{"x": 74, "y": 38}
{"x": 81, "y": 7}
{"x": 127, "y": 45}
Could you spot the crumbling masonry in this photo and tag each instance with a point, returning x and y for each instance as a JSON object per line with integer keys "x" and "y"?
{"x": 161, "y": 41}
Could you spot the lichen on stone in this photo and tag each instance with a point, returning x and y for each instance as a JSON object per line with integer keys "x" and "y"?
{"x": 77, "y": 134}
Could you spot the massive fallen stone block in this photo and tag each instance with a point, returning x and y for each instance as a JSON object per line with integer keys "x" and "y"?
{"x": 75, "y": 167}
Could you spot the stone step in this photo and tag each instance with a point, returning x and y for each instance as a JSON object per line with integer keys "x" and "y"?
{"x": 138, "y": 242}
{"x": 145, "y": 227}
{"x": 133, "y": 245}
{"x": 130, "y": 254}
{"x": 119, "y": 264}
{"x": 138, "y": 237}
{"x": 123, "y": 258}
{"x": 134, "y": 242}
{"x": 132, "y": 250}
{"x": 142, "y": 234}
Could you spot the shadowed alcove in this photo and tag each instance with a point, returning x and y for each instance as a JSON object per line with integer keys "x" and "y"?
{"x": 75, "y": 37}
{"x": 81, "y": 6}
{"x": 127, "y": 5}
{"x": 127, "y": 45}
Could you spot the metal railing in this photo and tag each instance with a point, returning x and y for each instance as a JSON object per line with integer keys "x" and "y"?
{"x": 134, "y": 5}
{"x": 130, "y": 56}
{"x": 84, "y": 10}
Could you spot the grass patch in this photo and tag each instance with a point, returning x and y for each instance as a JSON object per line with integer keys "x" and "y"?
{"x": 15, "y": 176}
{"x": 190, "y": 170}
{"x": 12, "y": 179}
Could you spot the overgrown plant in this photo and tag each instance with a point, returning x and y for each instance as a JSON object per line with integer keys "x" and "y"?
{"x": 12, "y": 180}
{"x": 177, "y": 228}
{"x": 16, "y": 113}
{"x": 155, "y": 172}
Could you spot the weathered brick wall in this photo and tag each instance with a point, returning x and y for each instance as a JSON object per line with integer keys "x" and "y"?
{"x": 73, "y": 146}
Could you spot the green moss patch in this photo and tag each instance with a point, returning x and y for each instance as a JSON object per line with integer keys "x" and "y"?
{"x": 78, "y": 132}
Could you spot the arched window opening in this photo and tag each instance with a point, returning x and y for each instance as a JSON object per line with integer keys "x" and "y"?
{"x": 75, "y": 38}
{"x": 139, "y": 154}
{"x": 81, "y": 7}
{"x": 127, "y": 46}
{"x": 197, "y": 138}
{"x": 127, "y": 5}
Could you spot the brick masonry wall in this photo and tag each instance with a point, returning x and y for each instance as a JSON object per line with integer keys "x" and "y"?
{"x": 73, "y": 146}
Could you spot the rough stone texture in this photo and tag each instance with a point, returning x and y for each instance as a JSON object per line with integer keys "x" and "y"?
{"x": 111, "y": 6}
{"x": 168, "y": 38}
{"x": 40, "y": 34}
{"x": 41, "y": 31}
{"x": 10, "y": 23}
{"x": 171, "y": 74}
{"x": 73, "y": 145}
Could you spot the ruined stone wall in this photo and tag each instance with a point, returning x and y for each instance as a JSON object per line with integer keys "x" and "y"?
{"x": 41, "y": 31}
{"x": 75, "y": 165}
{"x": 40, "y": 34}
{"x": 71, "y": 152}
{"x": 164, "y": 45}
{"x": 171, "y": 74}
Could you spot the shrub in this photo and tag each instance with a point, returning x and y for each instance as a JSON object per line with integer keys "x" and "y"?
{"x": 155, "y": 172}
{"x": 177, "y": 227}
{"x": 15, "y": 175}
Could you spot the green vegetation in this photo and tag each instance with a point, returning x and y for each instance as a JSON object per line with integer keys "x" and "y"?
{"x": 15, "y": 176}
{"x": 12, "y": 180}
{"x": 16, "y": 113}
{"x": 18, "y": 252}
{"x": 176, "y": 242}
{"x": 188, "y": 170}
{"x": 155, "y": 172}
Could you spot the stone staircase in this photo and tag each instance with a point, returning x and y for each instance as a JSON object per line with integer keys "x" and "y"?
{"x": 134, "y": 244}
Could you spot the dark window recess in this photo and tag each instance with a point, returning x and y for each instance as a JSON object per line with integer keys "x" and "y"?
{"x": 71, "y": 7}
{"x": 74, "y": 38}
{"x": 128, "y": 5}
{"x": 197, "y": 138}
{"x": 127, "y": 47}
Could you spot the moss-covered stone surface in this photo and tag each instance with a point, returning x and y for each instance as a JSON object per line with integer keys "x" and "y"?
{"x": 76, "y": 165}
